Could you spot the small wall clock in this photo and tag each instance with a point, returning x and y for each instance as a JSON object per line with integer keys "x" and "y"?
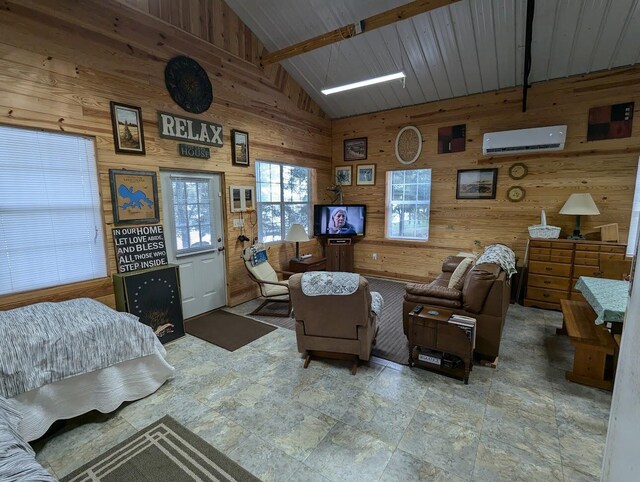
{"x": 515, "y": 193}
{"x": 188, "y": 84}
{"x": 518, "y": 171}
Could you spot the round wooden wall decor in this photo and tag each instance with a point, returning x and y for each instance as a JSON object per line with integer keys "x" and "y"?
{"x": 188, "y": 84}
{"x": 515, "y": 194}
{"x": 408, "y": 145}
{"x": 518, "y": 171}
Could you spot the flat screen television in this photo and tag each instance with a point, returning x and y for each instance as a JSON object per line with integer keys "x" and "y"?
{"x": 339, "y": 219}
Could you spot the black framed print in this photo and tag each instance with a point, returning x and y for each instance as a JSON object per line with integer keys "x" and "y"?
{"x": 477, "y": 183}
{"x": 240, "y": 148}
{"x": 128, "y": 135}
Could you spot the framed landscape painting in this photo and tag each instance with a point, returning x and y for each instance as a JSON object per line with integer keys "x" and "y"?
{"x": 240, "y": 148}
{"x": 126, "y": 121}
{"x": 355, "y": 149}
{"x": 476, "y": 184}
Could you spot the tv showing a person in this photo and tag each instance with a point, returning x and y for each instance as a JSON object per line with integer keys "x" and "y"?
{"x": 339, "y": 222}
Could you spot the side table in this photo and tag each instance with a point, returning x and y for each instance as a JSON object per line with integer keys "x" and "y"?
{"x": 308, "y": 264}
{"x": 430, "y": 330}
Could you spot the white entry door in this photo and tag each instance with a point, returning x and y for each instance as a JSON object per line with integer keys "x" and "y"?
{"x": 194, "y": 237}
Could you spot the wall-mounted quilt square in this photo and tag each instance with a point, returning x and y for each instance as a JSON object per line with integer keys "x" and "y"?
{"x": 610, "y": 122}
{"x": 452, "y": 139}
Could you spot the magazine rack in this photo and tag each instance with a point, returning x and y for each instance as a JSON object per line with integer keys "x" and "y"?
{"x": 432, "y": 338}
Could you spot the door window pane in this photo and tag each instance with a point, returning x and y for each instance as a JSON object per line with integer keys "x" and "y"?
{"x": 192, "y": 214}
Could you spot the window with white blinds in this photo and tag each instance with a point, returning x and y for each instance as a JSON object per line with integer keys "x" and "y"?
{"x": 51, "y": 230}
{"x": 635, "y": 215}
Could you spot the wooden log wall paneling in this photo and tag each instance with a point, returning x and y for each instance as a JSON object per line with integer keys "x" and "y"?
{"x": 62, "y": 62}
{"x": 605, "y": 169}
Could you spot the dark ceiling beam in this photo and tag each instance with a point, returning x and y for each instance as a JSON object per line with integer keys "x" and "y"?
{"x": 531, "y": 6}
{"x": 368, "y": 24}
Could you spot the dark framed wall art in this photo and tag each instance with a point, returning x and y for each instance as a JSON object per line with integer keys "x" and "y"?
{"x": 452, "y": 139}
{"x": 128, "y": 135}
{"x": 476, "y": 183}
{"x": 134, "y": 196}
{"x": 240, "y": 148}
{"x": 355, "y": 149}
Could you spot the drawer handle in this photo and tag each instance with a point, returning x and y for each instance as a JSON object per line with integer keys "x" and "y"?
{"x": 546, "y": 295}
{"x": 549, "y": 268}
{"x": 547, "y": 282}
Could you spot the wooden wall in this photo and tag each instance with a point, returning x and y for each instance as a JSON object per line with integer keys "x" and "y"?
{"x": 605, "y": 169}
{"x": 62, "y": 62}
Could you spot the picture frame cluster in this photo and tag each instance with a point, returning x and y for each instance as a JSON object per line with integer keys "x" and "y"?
{"x": 365, "y": 175}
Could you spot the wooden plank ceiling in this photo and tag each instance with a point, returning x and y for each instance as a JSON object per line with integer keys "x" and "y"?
{"x": 467, "y": 47}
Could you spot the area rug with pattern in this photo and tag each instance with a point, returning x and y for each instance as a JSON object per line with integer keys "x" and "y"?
{"x": 163, "y": 451}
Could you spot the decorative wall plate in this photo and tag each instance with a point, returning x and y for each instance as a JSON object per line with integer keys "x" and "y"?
{"x": 188, "y": 84}
{"x": 518, "y": 171}
{"x": 408, "y": 145}
{"x": 515, "y": 193}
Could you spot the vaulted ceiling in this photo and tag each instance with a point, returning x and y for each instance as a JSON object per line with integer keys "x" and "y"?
{"x": 467, "y": 47}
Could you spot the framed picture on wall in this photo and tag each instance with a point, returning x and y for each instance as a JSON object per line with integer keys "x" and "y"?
{"x": 366, "y": 174}
{"x": 476, "y": 184}
{"x": 343, "y": 175}
{"x": 355, "y": 149}
{"x": 126, "y": 121}
{"x": 134, "y": 196}
{"x": 240, "y": 148}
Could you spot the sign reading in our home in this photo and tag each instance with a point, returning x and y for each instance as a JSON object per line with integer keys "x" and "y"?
{"x": 180, "y": 128}
{"x": 187, "y": 150}
{"x": 139, "y": 247}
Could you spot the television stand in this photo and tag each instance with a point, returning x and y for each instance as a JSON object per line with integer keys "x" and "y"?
{"x": 339, "y": 254}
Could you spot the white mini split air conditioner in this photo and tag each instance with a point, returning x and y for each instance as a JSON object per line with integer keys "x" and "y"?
{"x": 537, "y": 139}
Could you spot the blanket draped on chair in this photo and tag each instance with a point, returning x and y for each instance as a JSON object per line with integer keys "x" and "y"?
{"x": 325, "y": 283}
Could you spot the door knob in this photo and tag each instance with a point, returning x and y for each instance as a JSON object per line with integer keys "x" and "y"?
{"x": 221, "y": 248}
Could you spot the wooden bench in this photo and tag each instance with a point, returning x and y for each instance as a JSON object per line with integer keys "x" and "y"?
{"x": 593, "y": 363}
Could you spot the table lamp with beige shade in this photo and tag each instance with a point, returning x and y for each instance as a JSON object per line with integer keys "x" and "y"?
{"x": 298, "y": 235}
{"x": 579, "y": 204}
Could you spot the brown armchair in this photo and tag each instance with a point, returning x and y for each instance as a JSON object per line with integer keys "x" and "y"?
{"x": 483, "y": 294}
{"x": 335, "y": 325}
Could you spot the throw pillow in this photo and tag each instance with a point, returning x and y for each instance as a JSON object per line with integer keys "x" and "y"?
{"x": 457, "y": 277}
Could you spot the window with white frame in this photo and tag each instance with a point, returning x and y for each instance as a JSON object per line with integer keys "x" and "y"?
{"x": 51, "y": 228}
{"x": 635, "y": 217}
{"x": 408, "y": 204}
{"x": 283, "y": 198}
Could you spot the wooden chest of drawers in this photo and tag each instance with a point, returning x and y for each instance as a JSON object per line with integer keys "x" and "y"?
{"x": 556, "y": 264}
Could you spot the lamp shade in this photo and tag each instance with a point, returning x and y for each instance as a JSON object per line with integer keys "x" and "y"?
{"x": 297, "y": 233}
{"x": 579, "y": 204}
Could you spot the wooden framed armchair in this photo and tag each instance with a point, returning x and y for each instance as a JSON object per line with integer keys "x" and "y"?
{"x": 341, "y": 325}
{"x": 273, "y": 289}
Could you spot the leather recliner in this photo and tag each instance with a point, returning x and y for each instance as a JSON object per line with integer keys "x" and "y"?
{"x": 483, "y": 296}
{"x": 335, "y": 324}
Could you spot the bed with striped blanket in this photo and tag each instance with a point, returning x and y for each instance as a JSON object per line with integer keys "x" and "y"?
{"x": 59, "y": 360}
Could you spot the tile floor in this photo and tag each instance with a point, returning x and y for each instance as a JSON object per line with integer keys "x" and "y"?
{"x": 521, "y": 421}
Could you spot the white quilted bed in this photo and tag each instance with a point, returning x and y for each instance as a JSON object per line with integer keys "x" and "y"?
{"x": 67, "y": 367}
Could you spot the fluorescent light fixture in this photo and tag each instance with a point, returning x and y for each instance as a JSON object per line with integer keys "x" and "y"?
{"x": 364, "y": 83}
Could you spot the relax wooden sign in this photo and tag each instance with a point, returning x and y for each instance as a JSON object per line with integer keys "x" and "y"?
{"x": 180, "y": 128}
